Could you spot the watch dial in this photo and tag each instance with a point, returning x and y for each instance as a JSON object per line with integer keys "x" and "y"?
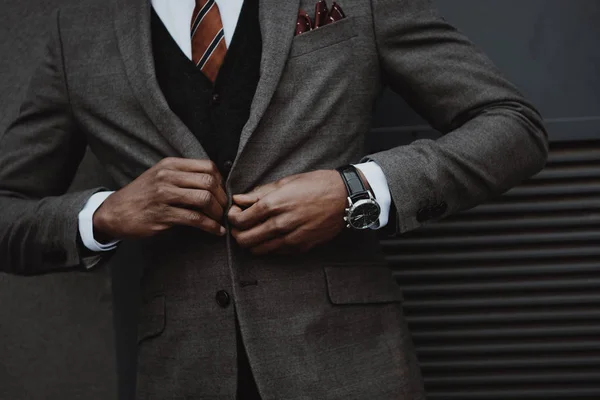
{"x": 365, "y": 215}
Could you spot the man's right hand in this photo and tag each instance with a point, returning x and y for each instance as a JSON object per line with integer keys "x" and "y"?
{"x": 175, "y": 191}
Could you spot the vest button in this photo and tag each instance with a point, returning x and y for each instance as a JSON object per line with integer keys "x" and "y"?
{"x": 227, "y": 166}
{"x": 223, "y": 298}
{"x": 215, "y": 99}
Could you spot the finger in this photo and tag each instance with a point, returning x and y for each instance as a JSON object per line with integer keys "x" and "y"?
{"x": 252, "y": 216}
{"x": 234, "y": 211}
{"x": 198, "y": 200}
{"x": 247, "y": 199}
{"x": 194, "y": 180}
{"x": 182, "y": 216}
{"x": 220, "y": 196}
{"x": 270, "y": 229}
{"x": 190, "y": 165}
{"x": 259, "y": 192}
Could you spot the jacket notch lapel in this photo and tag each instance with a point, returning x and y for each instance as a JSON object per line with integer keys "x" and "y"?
{"x": 277, "y": 25}
{"x": 134, "y": 37}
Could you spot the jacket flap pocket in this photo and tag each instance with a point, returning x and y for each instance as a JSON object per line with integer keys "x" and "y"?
{"x": 361, "y": 284}
{"x": 152, "y": 318}
{"x": 322, "y": 37}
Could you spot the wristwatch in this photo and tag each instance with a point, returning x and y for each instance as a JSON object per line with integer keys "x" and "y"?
{"x": 363, "y": 210}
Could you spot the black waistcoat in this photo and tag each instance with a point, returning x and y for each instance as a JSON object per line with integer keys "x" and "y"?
{"x": 215, "y": 113}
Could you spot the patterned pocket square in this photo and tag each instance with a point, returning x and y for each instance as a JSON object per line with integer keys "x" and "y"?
{"x": 322, "y": 17}
{"x": 336, "y": 13}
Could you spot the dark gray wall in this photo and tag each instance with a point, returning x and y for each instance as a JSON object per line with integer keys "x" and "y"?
{"x": 56, "y": 334}
{"x": 547, "y": 47}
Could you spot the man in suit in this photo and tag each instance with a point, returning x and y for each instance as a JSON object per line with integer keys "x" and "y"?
{"x": 236, "y": 144}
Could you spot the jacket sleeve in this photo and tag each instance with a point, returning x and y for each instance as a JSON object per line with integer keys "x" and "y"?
{"x": 492, "y": 137}
{"x": 40, "y": 152}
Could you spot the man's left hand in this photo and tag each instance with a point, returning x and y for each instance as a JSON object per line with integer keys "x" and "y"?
{"x": 291, "y": 215}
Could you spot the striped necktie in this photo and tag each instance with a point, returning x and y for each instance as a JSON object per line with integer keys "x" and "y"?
{"x": 208, "y": 41}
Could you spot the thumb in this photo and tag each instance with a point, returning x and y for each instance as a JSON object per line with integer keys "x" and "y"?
{"x": 245, "y": 200}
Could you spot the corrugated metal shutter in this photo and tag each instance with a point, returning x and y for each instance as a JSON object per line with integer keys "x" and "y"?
{"x": 504, "y": 300}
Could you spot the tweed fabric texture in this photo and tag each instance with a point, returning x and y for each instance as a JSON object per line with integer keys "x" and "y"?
{"x": 310, "y": 328}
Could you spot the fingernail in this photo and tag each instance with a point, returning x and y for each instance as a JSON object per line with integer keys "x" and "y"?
{"x": 222, "y": 231}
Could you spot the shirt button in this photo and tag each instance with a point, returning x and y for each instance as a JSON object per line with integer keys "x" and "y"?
{"x": 223, "y": 298}
{"x": 215, "y": 99}
{"x": 227, "y": 166}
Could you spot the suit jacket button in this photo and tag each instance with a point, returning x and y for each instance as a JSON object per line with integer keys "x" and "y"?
{"x": 424, "y": 214}
{"x": 223, "y": 298}
{"x": 438, "y": 210}
{"x": 227, "y": 166}
{"x": 442, "y": 208}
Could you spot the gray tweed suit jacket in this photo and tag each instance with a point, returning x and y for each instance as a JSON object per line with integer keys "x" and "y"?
{"x": 327, "y": 324}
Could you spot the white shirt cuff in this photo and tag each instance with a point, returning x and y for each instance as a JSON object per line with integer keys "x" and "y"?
{"x": 86, "y": 224}
{"x": 378, "y": 182}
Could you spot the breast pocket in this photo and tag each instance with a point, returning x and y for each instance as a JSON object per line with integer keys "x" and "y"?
{"x": 323, "y": 37}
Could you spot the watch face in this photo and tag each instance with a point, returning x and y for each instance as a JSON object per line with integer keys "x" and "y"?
{"x": 364, "y": 215}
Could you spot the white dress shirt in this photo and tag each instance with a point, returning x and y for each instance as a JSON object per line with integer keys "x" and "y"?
{"x": 176, "y": 15}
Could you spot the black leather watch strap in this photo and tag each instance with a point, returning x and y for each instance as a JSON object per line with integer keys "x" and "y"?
{"x": 352, "y": 180}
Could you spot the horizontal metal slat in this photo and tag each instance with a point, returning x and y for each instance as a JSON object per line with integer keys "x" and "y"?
{"x": 567, "y": 172}
{"x": 493, "y": 240}
{"x": 495, "y": 302}
{"x": 462, "y": 350}
{"x": 545, "y": 205}
{"x": 459, "y": 223}
{"x": 577, "y": 252}
{"x": 515, "y": 378}
{"x": 538, "y": 191}
{"x": 456, "y": 364}
{"x": 525, "y": 394}
{"x": 494, "y": 286}
{"x": 493, "y": 270}
{"x": 582, "y": 152}
{"x": 540, "y": 332}
{"x": 504, "y": 318}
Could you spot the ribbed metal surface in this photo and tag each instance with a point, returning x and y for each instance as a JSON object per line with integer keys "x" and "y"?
{"x": 504, "y": 300}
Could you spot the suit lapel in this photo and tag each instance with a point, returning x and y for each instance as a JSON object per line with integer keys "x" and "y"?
{"x": 277, "y": 24}
{"x": 132, "y": 26}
